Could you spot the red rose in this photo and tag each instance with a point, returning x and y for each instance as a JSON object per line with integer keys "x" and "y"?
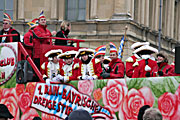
{"x": 86, "y": 86}
{"x": 97, "y": 94}
{"x": 30, "y": 88}
{"x": 133, "y": 101}
{"x": 169, "y": 106}
{"x": 29, "y": 114}
{"x": 114, "y": 93}
{"x": 49, "y": 117}
{"x": 9, "y": 98}
{"x": 24, "y": 101}
{"x": 19, "y": 89}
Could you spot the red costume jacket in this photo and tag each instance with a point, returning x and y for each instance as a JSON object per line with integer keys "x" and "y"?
{"x": 40, "y": 32}
{"x": 116, "y": 67}
{"x": 28, "y": 42}
{"x": 93, "y": 68}
{"x": 129, "y": 65}
{"x": 69, "y": 72}
{"x": 140, "y": 71}
{"x": 165, "y": 68}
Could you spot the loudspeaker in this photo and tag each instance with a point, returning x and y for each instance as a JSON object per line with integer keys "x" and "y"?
{"x": 177, "y": 59}
{"x": 24, "y": 72}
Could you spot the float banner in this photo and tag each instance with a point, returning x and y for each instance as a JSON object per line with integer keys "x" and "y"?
{"x": 62, "y": 99}
{"x": 8, "y": 60}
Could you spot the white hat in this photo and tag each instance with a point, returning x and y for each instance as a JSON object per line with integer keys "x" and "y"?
{"x": 146, "y": 49}
{"x": 138, "y": 44}
{"x": 84, "y": 51}
{"x": 67, "y": 54}
{"x": 53, "y": 52}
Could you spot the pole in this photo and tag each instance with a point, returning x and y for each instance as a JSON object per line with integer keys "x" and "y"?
{"x": 160, "y": 29}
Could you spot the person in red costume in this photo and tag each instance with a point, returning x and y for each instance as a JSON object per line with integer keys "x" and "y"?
{"x": 69, "y": 69}
{"x": 163, "y": 68}
{"x": 116, "y": 66}
{"x": 40, "y": 32}
{"x": 7, "y": 29}
{"x": 89, "y": 68}
{"x": 144, "y": 67}
{"x": 28, "y": 37}
{"x": 51, "y": 68}
{"x": 135, "y": 57}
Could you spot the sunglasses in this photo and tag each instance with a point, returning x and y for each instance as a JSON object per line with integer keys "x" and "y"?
{"x": 5, "y": 23}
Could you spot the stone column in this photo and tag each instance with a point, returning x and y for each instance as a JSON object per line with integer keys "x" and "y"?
{"x": 121, "y": 11}
{"x": 156, "y": 14}
{"x": 93, "y": 9}
{"x": 178, "y": 21}
{"x": 20, "y": 9}
{"x": 146, "y": 13}
{"x": 54, "y": 9}
{"x": 142, "y": 11}
{"x": 172, "y": 18}
{"x": 61, "y": 9}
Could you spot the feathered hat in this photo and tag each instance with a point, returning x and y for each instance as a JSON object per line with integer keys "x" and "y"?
{"x": 33, "y": 23}
{"x": 112, "y": 47}
{"x": 42, "y": 15}
{"x": 7, "y": 18}
{"x": 101, "y": 50}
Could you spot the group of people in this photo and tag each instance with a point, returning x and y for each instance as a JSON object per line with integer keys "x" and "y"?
{"x": 84, "y": 64}
{"x": 91, "y": 63}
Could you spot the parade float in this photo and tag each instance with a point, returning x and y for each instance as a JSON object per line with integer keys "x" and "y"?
{"x": 112, "y": 99}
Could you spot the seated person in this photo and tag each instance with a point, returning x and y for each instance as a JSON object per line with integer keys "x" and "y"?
{"x": 51, "y": 68}
{"x": 162, "y": 68}
{"x": 89, "y": 69}
{"x": 69, "y": 69}
{"x": 116, "y": 66}
{"x": 144, "y": 67}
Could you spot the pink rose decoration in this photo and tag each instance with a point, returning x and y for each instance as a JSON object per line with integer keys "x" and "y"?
{"x": 24, "y": 101}
{"x": 49, "y": 117}
{"x": 19, "y": 89}
{"x": 29, "y": 114}
{"x": 30, "y": 88}
{"x": 9, "y": 98}
{"x": 133, "y": 101}
{"x": 114, "y": 93}
{"x": 85, "y": 86}
{"x": 169, "y": 106}
{"x": 97, "y": 94}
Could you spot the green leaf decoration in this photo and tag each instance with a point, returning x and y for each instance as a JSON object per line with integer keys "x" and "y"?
{"x": 135, "y": 83}
{"x": 11, "y": 83}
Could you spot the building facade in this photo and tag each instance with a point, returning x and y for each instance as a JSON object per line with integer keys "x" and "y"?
{"x": 101, "y": 21}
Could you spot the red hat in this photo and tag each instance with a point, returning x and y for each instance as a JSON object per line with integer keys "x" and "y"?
{"x": 7, "y": 17}
{"x": 42, "y": 15}
{"x": 112, "y": 47}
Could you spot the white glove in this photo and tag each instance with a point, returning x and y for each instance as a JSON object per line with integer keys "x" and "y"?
{"x": 84, "y": 77}
{"x": 90, "y": 78}
{"x": 48, "y": 81}
{"x": 58, "y": 78}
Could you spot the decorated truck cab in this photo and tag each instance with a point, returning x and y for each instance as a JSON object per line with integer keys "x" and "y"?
{"x": 110, "y": 99}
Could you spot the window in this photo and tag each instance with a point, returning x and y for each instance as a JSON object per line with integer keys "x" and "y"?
{"x": 7, "y": 7}
{"x": 75, "y": 10}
